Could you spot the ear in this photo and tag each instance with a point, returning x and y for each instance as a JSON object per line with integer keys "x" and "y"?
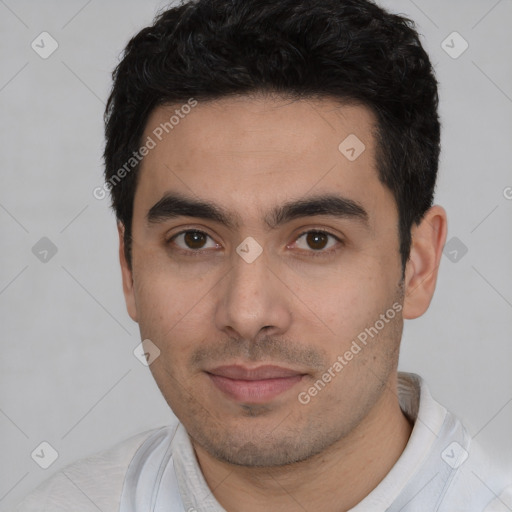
{"x": 428, "y": 239}
{"x": 127, "y": 276}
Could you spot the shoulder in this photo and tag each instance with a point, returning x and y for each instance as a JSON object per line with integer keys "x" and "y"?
{"x": 91, "y": 483}
{"x": 460, "y": 472}
{"x": 482, "y": 478}
{"x": 502, "y": 502}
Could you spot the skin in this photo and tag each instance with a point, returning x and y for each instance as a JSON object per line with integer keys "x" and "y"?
{"x": 291, "y": 307}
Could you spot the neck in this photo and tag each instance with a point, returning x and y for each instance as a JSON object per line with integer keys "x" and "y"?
{"x": 333, "y": 481}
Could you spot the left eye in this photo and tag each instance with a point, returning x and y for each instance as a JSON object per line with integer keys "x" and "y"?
{"x": 316, "y": 240}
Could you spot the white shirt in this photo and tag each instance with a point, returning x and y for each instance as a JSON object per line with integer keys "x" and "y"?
{"x": 440, "y": 470}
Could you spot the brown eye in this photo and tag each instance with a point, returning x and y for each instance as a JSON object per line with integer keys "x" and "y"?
{"x": 194, "y": 239}
{"x": 317, "y": 242}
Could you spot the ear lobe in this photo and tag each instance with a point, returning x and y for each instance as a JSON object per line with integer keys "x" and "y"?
{"x": 428, "y": 239}
{"x": 127, "y": 276}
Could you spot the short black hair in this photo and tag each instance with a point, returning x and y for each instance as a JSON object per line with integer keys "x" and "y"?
{"x": 350, "y": 50}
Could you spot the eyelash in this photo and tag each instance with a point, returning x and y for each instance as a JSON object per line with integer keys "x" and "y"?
{"x": 312, "y": 253}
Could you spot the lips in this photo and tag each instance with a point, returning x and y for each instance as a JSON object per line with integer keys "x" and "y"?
{"x": 254, "y": 385}
{"x": 259, "y": 373}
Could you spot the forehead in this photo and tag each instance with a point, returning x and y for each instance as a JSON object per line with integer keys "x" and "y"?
{"x": 244, "y": 152}
{"x": 261, "y": 125}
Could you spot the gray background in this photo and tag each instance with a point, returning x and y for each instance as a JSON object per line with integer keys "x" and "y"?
{"x": 68, "y": 375}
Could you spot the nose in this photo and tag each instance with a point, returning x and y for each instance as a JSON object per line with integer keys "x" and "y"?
{"x": 253, "y": 301}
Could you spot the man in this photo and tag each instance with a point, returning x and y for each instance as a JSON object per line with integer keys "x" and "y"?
{"x": 272, "y": 168}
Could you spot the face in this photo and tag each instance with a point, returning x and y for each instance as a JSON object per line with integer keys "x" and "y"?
{"x": 275, "y": 299}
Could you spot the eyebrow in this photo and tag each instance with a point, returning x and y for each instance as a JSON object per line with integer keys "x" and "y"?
{"x": 173, "y": 205}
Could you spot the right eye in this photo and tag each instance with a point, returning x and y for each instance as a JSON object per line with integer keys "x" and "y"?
{"x": 192, "y": 241}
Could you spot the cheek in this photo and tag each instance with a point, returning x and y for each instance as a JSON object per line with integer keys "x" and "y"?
{"x": 352, "y": 302}
{"x": 158, "y": 303}
{"x": 172, "y": 312}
